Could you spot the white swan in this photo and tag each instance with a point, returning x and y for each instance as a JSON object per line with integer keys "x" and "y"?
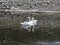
{"x": 28, "y": 24}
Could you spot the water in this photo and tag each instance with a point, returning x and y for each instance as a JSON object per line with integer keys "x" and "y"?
{"x": 10, "y": 36}
{"x": 41, "y": 36}
{"x": 5, "y": 42}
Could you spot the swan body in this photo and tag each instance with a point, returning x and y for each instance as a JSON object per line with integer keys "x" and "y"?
{"x": 29, "y": 23}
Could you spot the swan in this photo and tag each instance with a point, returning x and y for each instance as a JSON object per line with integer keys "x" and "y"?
{"x": 29, "y": 23}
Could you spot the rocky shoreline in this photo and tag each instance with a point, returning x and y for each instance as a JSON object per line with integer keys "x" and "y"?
{"x": 31, "y": 5}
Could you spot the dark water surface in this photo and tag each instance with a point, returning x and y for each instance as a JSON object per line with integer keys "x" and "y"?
{"x": 11, "y": 36}
{"x": 47, "y": 33}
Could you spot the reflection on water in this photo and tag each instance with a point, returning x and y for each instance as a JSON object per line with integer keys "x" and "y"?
{"x": 46, "y": 43}
{"x": 10, "y": 36}
{"x": 6, "y": 42}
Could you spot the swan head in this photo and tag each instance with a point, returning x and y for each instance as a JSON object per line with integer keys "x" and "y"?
{"x": 32, "y": 18}
{"x": 29, "y": 18}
